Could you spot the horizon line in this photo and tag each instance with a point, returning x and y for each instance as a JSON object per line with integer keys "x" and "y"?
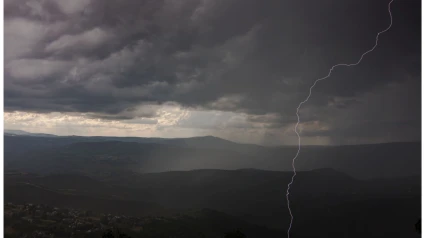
{"x": 240, "y": 143}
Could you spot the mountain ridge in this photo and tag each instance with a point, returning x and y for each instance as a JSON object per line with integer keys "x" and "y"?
{"x": 207, "y": 138}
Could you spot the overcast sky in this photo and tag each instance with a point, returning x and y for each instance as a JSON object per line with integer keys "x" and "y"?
{"x": 236, "y": 69}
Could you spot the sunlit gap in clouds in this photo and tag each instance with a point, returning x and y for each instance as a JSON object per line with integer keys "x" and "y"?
{"x": 168, "y": 121}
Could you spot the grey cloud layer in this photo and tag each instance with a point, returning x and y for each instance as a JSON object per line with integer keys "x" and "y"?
{"x": 260, "y": 57}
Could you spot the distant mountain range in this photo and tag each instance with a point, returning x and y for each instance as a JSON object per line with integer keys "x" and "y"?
{"x": 189, "y": 140}
{"x": 102, "y": 156}
{"x": 25, "y": 133}
{"x": 200, "y": 141}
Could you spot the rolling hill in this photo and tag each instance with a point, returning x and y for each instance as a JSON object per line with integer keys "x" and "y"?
{"x": 255, "y": 196}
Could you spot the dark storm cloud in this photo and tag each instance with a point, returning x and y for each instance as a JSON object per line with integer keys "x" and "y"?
{"x": 257, "y": 57}
{"x": 374, "y": 129}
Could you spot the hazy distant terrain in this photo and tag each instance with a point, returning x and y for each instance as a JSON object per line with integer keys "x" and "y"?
{"x": 97, "y": 155}
{"x": 358, "y": 191}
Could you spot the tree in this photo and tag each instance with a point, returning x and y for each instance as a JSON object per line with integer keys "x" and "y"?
{"x": 418, "y": 226}
{"x": 110, "y": 234}
{"x": 235, "y": 234}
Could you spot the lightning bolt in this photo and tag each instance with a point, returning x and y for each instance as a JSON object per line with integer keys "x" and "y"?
{"x": 308, "y": 97}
